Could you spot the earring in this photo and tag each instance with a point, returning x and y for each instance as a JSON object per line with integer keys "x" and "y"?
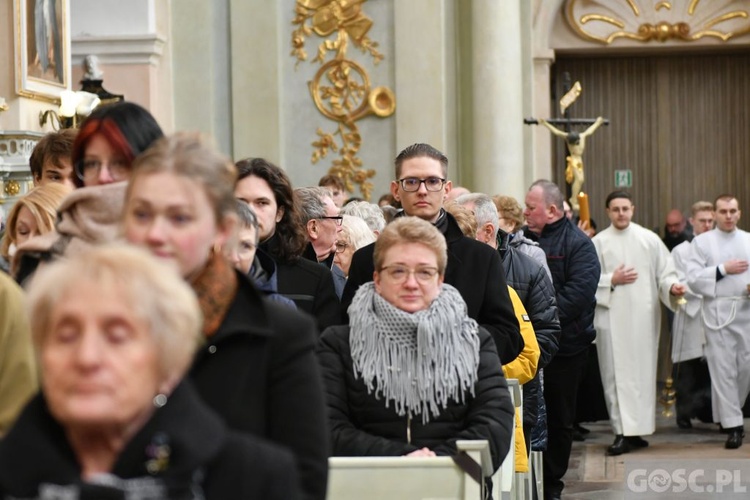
{"x": 160, "y": 400}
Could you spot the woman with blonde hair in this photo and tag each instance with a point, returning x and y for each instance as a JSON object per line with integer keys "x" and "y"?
{"x": 412, "y": 373}
{"x": 33, "y": 214}
{"x": 257, "y": 367}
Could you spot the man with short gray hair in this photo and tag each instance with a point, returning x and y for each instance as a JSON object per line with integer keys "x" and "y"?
{"x": 534, "y": 287}
{"x": 322, "y": 223}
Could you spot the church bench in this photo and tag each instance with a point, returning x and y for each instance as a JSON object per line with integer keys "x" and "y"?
{"x": 407, "y": 478}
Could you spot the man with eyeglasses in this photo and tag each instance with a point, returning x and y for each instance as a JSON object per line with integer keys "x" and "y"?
{"x": 322, "y": 223}
{"x": 474, "y": 269}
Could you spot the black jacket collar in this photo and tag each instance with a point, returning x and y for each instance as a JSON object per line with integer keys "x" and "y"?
{"x": 553, "y": 227}
{"x": 36, "y": 450}
{"x": 247, "y": 314}
{"x": 445, "y": 223}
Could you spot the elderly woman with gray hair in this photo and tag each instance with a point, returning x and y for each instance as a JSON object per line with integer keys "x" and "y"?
{"x": 354, "y": 235}
{"x": 411, "y": 374}
{"x": 114, "y": 333}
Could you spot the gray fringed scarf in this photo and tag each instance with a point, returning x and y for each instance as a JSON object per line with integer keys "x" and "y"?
{"x": 418, "y": 360}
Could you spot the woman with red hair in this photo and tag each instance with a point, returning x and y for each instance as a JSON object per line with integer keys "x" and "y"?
{"x": 104, "y": 149}
{"x": 108, "y": 142}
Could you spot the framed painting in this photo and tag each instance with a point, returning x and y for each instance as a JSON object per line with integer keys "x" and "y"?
{"x": 42, "y": 48}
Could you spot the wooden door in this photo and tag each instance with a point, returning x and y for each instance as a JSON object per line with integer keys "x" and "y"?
{"x": 680, "y": 123}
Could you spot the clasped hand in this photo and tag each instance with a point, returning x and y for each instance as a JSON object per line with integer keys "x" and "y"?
{"x": 422, "y": 452}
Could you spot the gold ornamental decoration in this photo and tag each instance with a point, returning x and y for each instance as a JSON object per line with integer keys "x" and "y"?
{"x": 12, "y": 187}
{"x": 646, "y": 20}
{"x": 341, "y": 88}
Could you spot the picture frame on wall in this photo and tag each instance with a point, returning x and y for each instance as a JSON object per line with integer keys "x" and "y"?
{"x": 42, "y": 48}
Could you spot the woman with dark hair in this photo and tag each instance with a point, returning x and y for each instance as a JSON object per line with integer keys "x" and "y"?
{"x": 109, "y": 140}
{"x": 268, "y": 190}
{"x": 104, "y": 149}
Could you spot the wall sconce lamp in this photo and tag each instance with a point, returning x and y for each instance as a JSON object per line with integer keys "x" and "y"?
{"x": 74, "y": 106}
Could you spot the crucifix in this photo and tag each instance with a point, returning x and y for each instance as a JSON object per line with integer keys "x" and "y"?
{"x": 575, "y": 142}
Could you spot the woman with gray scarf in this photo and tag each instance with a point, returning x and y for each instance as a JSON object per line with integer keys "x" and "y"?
{"x": 411, "y": 374}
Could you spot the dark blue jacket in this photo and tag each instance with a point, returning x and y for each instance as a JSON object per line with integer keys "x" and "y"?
{"x": 575, "y": 269}
{"x": 263, "y": 275}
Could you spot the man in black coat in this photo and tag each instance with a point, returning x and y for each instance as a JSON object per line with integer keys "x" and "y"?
{"x": 473, "y": 268}
{"x": 575, "y": 269}
{"x": 533, "y": 286}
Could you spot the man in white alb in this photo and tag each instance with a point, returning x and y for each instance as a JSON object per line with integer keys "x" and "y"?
{"x": 637, "y": 270}
{"x": 717, "y": 269}
{"x": 692, "y": 380}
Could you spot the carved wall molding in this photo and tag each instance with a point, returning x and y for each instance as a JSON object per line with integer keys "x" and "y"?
{"x": 605, "y": 21}
{"x": 341, "y": 88}
{"x": 119, "y": 49}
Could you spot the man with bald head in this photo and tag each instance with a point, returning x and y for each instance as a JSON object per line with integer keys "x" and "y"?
{"x": 454, "y": 193}
{"x": 676, "y": 229}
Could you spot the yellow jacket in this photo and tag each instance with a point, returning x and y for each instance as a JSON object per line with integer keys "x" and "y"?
{"x": 524, "y": 369}
{"x": 18, "y": 376}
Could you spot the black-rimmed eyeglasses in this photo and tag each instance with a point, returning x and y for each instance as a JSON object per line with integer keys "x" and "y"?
{"x": 337, "y": 218}
{"x": 411, "y": 184}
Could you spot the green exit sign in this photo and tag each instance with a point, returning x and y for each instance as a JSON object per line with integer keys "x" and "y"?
{"x": 623, "y": 178}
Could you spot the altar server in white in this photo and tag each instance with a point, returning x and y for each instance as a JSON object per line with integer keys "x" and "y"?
{"x": 718, "y": 270}
{"x": 637, "y": 270}
{"x": 692, "y": 380}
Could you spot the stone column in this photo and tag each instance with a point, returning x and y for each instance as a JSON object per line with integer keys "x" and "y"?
{"x": 498, "y": 145}
{"x": 424, "y": 94}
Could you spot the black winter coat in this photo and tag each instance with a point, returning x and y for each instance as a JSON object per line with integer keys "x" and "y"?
{"x": 361, "y": 425}
{"x": 203, "y": 457}
{"x": 259, "y": 372}
{"x": 533, "y": 286}
{"x": 575, "y": 269}
{"x": 476, "y": 271}
{"x": 308, "y": 284}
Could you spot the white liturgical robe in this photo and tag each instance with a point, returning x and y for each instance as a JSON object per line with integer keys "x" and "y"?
{"x": 726, "y": 315}
{"x": 628, "y": 321}
{"x": 688, "y": 335}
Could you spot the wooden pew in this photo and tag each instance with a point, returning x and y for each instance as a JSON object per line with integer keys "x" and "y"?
{"x": 504, "y": 481}
{"x": 407, "y": 478}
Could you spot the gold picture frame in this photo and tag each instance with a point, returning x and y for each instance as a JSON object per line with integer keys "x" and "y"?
{"x": 42, "y": 74}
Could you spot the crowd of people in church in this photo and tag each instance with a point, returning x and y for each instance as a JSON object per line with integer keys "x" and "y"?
{"x": 177, "y": 324}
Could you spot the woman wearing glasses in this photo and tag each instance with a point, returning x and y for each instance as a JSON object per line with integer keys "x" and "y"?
{"x": 412, "y": 373}
{"x": 354, "y": 235}
{"x": 104, "y": 149}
